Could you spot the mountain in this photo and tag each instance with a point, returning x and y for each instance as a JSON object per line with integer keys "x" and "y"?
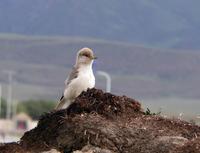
{"x": 169, "y": 24}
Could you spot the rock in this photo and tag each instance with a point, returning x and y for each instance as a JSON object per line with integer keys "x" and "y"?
{"x": 92, "y": 149}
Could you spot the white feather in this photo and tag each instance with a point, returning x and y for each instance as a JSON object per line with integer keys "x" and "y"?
{"x": 84, "y": 81}
{"x": 80, "y": 79}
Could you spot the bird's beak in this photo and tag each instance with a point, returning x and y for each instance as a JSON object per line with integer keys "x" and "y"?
{"x": 94, "y": 57}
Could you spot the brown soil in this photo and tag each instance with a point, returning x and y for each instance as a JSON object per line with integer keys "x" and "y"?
{"x": 109, "y": 122}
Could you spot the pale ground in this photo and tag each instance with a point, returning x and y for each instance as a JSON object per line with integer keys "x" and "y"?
{"x": 173, "y": 107}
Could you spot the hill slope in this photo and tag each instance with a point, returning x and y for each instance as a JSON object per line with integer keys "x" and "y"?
{"x": 135, "y": 70}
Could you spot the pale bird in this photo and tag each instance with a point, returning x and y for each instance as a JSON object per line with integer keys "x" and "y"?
{"x": 80, "y": 79}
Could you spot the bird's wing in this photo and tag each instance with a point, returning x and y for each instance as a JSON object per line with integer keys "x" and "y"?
{"x": 72, "y": 75}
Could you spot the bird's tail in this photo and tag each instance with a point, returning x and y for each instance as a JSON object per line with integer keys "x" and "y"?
{"x": 63, "y": 103}
{"x": 60, "y": 103}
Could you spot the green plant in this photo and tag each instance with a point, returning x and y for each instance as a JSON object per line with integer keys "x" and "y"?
{"x": 3, "y": 108}
{"x": 35, "y": 108}
{"x": 148, "y": 112}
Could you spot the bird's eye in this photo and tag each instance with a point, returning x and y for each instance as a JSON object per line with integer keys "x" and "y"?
{"x": 86, "y": 55}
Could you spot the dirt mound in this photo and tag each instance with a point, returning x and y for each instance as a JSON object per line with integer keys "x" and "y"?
{"x": 108, "y": 123}
{"x": 12, "y": 148}
{"x": 105, "y": 104}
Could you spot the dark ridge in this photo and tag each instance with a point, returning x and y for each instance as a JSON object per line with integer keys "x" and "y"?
{"x": 106, "y": 104}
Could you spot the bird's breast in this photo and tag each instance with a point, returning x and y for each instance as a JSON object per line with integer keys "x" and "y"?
{"x": 84, "y": 81}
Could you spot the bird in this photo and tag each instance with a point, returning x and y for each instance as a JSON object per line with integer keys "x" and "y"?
{"x": 80, "y": 79}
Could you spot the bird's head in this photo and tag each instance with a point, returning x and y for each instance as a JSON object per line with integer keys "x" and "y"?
{"x": 85, "y": 56}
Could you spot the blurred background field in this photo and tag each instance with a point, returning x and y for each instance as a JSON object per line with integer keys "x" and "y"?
{"x": 150, "y": 49}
